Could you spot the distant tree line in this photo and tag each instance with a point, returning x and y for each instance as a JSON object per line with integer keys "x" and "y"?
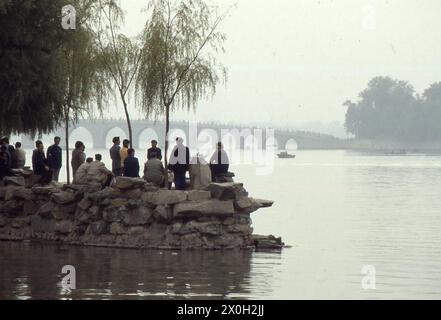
{"x": 391, "y": 109}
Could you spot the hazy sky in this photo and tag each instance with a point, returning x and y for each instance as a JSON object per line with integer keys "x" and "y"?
{"x": 298, "y": 60}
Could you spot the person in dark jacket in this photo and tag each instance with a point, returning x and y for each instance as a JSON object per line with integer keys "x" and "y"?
{"x": 219, "y": 162}
{"x": 78, "y": 156}
{"x": 115, "y": 155}
{"x": 39, "y": 164}
{"x": 54, "y": 158}
{"x": 4, "y": 168}
{"x": 4, "y": 142}
{"x": 131, "y": 165}
{"x": 19, "y": 157}
{"x": 179, "y": 163}
{"x": 154, "y": 150}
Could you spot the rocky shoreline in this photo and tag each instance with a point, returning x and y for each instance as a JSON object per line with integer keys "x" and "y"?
{"x": 131, "y": 214}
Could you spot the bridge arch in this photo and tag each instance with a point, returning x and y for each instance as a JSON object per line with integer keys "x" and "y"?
{"x": 207, "y": 140}
{"x": 271, "y": 143}
{"x": 146, "y": 136}
{"x": 291, "y": 145}
{"x": 114, "y": 132}
{"x": 251, "y": 143}
{"x": 81, "y": 134}
{"x": 175, "y": 133}
{"x": 230, "y": 142}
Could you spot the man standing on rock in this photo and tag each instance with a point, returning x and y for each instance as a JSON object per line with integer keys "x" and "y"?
{"x": 39, "y": 164}
{"x": 131, "y": 165}
{"x": 78, "y": 156}
{"x": 54, "y": 158}
{"x": 179, "y": 163}
{"x": 219, "y": 162}
{"x": 115, "y": 155}
{"x": 4, "y": 142}
{"x": 154, "y": 150}
{"x": 124, "y": 152}
{"x": 4, "y": 169}
{"x": 19, "y": 156}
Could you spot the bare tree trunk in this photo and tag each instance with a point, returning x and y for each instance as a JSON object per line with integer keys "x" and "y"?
{"x": 167, "y": 129}
{"x": 129, "y": 124}
{"x": 66, "y": 122}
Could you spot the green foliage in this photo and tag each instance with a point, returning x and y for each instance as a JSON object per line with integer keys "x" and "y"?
{"x": 84, "y": 79}
{"x": 44, "y": 67}
{"x": 119, "y": 60}
{"x": 390, "y": 109}
{"x": 30, "y": 72}
{"x": 178, "y": 62}
{"x": 50, "y": 76}
{"x": 119, "y": 56}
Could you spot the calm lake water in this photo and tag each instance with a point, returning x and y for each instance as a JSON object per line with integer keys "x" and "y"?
{"x": 340, "y": 211}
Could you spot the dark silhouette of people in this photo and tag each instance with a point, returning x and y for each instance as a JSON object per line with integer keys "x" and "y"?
{"x": 78, "y": 156}
{"x": 115, "y": 155}
{"x": 19, "y": 157}
{"x": 131, "y": 165}
{"x": 4, "y": 142}
{"x": 54, "y": 158}
{"x": 4, "y": 168}
{"x": 154, "y": 150}
{"x": 179, "y": 163}
{"x": 40, "y": 165}
{"x": 219, "y": 161}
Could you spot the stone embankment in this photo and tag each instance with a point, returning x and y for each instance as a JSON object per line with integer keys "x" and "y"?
{"x": 130, "y": 214}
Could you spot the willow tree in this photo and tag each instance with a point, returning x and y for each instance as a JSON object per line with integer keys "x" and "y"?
{"x": 85, "y": 83}
{"x": 30, "y": 69}
{"x": 119, "y": 55}
{"x": 178, "y": 64}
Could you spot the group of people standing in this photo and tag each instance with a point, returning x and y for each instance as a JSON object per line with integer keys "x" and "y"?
{"x": 10, "y": 157}
{"x": 124, "y": 163}
{"x": 47, "y": 164}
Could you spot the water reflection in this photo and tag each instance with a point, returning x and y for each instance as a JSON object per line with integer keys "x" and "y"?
{"x": 33, "y": 271}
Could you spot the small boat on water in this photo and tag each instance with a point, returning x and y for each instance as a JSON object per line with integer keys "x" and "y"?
{"x": 286, "y": 155}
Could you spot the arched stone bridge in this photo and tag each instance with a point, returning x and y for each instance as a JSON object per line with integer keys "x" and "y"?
{"x": 147, "y": 130}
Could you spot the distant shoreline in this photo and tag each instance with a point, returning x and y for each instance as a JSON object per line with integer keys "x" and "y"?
{"x": 383, "y": 146}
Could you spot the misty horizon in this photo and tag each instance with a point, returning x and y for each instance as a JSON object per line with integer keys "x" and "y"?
{"x": 311, "y": 59}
